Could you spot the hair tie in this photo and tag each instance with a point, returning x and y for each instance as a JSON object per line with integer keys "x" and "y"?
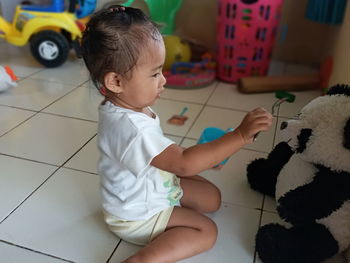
{"x": 118, "y": 8}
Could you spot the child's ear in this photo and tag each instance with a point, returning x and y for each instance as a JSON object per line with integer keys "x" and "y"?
{"x": 112, "y": 82}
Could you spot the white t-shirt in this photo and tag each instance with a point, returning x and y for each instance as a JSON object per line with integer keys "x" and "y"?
{"x": 132, "y": 189}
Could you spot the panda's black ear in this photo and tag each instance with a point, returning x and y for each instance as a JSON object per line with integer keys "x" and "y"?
{"x": 347, "y": 135}
{"x": 341, "y": 89}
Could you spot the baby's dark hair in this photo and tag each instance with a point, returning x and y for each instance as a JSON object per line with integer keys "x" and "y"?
{"x": 114, "y": 39}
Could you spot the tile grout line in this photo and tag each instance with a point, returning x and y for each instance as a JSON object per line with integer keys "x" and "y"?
{"x": 34, "y": 191}
{"x": 57, "y": 168}
{"x": 79, "y": 170}
{"x": 68, "y": 117}
{"x": 30, "y": 75}
{"x": 19, "y": 124}
{"x": 77, "y": 87}
{"x": 240, "y": 205}
{"x": 29, "y": 195}
{"x": 199, "y": 113}
{"x": 41, "y": 111}
{"x": 264, "y": 196}
{"x": 26, "y": 159}
{"x": 259, "y": 225}
{"x": 35, "y": 251}
{"x": 16, "y": 107}
{"x": 114, "y": 250}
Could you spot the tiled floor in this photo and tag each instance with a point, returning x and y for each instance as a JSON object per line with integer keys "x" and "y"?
{"x": 49, "y": 203}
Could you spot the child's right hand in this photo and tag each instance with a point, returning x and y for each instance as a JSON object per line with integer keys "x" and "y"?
{"x": 254, "y": 122}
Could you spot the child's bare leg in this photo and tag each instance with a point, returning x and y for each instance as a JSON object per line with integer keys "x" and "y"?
{"x": 188, "y": 233}
{"x": 200, "y": 194}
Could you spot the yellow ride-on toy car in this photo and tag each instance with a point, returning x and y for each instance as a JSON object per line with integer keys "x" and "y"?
{"x": 50, "y": 30}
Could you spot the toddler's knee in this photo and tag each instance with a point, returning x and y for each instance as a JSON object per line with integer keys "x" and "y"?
{"x": 211, "y": 234}
{"x": 215, "y": 200}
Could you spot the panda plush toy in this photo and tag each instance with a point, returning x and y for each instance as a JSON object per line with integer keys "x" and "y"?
{"x": 308, "y": 173}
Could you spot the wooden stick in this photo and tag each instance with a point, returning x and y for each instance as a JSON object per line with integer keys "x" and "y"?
{"x": 274, "y": 83}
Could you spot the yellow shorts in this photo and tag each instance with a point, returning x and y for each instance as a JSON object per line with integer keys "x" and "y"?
{"x": 139, "y": 232}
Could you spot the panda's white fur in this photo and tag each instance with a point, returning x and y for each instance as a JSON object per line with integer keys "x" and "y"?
{"x": 338, "y": 224}
{"x": 326, "y": 116}
{"x": 294, "y": 174}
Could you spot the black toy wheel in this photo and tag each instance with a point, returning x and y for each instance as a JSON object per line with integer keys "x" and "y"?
{"x": 49, "y": 48}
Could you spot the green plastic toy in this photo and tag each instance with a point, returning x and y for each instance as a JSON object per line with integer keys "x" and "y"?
{"x": 282, "y": 96}
{"x": 286, "y": 96}
{"x": 162, "y": 12}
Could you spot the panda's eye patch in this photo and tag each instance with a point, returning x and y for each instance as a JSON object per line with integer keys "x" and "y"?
{"x": 303, "y": 138}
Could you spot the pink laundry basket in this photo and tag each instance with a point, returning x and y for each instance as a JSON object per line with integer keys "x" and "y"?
{"x": 246, "y": 33}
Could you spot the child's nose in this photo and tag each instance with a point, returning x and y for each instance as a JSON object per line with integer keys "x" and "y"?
{"x": 163, "y": 80}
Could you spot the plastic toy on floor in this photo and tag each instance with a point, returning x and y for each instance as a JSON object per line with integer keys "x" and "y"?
{"x": 50, "y": 30}
{"x": 191, "y": 74}
{"x": 308, "y": 174}
{"x": 210, "y": 134}
{"x": 7, "y": 78}
{"x": 179, "y": 119}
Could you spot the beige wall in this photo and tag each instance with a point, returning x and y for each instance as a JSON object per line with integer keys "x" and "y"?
{"x": 341, "y": 54}
{"x": 307, "y": 42}
{"x": 196, "y": 21}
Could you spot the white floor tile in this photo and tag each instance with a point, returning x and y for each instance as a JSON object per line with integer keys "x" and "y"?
{"x": 200, "y": 95}
{"x": 224, "y": 119}
{"x": 176, "y": 139}
{"x": 124, "y": 251}
{"x": 19, "y": 178}
{"x": 270, "y": 204}
{"x": 11, "y": 117}
{"x": 19, "y": 59}
{"x": 72, "y": 72}
{"x": 64, "y": 219}
{"x": 237, "y": 227}
{"x": 227, "y": 96}
{"x": 167, "y": 108}
{"x": 14, "y": 254}
{"x": 86, "y": 159}
{"x": 271, "y": 217}
{"x": 34, "y": 94}
{"x": 289, "y": 110}
{"x": 81, "y": 103}
{"x": 47, "y": 138}
{"x": 215, "y": 117}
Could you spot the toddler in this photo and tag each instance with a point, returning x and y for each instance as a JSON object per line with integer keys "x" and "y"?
{"x": 151, "y": 193}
